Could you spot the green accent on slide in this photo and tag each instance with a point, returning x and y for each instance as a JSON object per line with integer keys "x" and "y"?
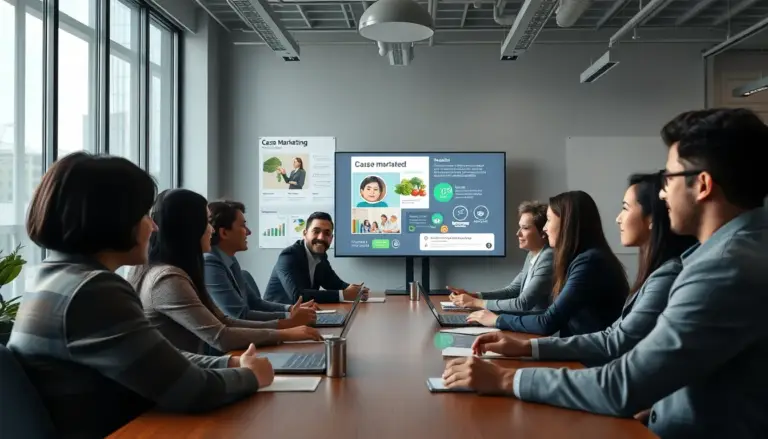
{"x": 380, "y": 243}
{"x": 443, "y": 192}
{"x": 411, "y": 228}
{"x": 437, "y": 219}
{"x": 443, "y": 340}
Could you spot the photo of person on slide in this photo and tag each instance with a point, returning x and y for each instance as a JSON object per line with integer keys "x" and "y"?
{"x": 373, "y": 190}
{"x": 298, "y": 174}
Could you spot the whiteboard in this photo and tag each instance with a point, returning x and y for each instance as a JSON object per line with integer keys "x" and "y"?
{"x": 600, "y": 166}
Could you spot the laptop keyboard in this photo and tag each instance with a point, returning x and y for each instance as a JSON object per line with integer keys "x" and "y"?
{"x": 330, "y": 319}
{"x": 454, "y": 318}
{"x": 306, "y": 361}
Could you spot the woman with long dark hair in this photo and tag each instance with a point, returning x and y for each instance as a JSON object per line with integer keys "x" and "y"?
{"x": 644, "y": 223}
{"x": 590, "y": 285}
{"x": 172, "y": 286}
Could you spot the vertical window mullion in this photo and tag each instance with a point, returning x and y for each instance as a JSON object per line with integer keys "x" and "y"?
{"x": 144, "y": 84}
{"x": 101, "y": 96}
{"x": 175, "y": 113}
{"x": 19, "y": 109}
{"x": 50, "y": 85}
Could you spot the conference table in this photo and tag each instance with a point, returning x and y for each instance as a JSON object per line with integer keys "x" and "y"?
{"x": 391, "y": 352}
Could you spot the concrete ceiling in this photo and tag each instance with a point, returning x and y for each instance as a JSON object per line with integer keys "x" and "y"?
{"x": 467, "y": 22}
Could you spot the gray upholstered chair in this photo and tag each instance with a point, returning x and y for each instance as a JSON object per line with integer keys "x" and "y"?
{"x": 22, "y": 414}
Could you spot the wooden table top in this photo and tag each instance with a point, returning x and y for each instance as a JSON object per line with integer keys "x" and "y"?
{"x": 390, "y": 354}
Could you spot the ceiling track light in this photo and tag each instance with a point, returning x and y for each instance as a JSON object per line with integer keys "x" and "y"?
{"x": 747, "y": 90}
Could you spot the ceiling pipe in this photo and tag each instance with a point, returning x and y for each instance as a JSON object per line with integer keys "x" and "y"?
{"x": 633, "y": 22}
{"x": 569, "y": 11}
{"x": 738, "y": 38}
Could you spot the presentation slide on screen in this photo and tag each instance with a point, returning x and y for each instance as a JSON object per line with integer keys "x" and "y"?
{"x": 420, "y": 204}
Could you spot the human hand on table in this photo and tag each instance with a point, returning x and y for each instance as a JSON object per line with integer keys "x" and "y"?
{"x": 501, "y": 343}
{"x": 466, "y": 301}
{"x": 350, "y": 293}
{"x": 483, "y": 317}
{"x": 478, "y": 374}
{"x": 460, "y": 292}
{"x": 299, "y": 333}
{"x": 261, "y": 367}
{"x": 299, "y": 316}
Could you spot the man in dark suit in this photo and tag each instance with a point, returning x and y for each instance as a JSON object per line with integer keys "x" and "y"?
{"x": 303, "y": 269}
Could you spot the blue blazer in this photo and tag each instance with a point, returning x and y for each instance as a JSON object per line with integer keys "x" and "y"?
{"x": 290, "y": 278}
{"x": 237, "y": 296}
{"x": 591, "y": 300}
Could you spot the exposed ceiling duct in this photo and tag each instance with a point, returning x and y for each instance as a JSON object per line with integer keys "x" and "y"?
{"x": 259, "y": 16}
{"x": 569, "y": 11}
{"x": 530, "y": 20}
{"x": 599, "y": 68}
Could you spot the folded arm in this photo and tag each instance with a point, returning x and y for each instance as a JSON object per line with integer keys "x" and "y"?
{"x": 108, "y": 332}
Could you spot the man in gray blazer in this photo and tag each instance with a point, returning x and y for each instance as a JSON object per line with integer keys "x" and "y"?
{"x": 702, "y": 367}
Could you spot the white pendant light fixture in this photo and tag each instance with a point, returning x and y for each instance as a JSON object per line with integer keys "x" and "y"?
{"x": 396, "y": 21}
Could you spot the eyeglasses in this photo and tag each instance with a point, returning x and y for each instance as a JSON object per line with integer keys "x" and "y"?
{"x": 665, "y": 176}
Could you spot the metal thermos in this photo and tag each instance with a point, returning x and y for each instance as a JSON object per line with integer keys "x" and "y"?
{"x": 414, "y": 291}
{"x": 336, "y": 357}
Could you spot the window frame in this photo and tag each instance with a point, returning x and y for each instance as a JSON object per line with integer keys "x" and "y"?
{"x": 101, "y": 48}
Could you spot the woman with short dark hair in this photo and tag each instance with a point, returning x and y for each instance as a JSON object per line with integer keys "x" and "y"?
{"x": 81, "y": 333}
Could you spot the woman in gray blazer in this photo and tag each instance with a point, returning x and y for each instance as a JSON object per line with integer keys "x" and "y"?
{"x": 172, "y": 286}
{"x": 531, "y": 290}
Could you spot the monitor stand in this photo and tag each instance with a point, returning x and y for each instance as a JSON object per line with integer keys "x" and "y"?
{"x": 409, "y": 277}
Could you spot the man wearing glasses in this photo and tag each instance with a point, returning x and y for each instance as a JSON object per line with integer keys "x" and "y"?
{"x": 703, "y": 367}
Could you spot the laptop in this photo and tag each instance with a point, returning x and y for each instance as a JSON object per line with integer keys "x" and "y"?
{"x": 452, "y": 320}
{"x": 311, "y": 362}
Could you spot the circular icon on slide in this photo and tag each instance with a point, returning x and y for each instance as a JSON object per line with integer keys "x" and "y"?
{"x": 437, "y": 219}
{"x": 443, "y": 229}
{"x": 395, "y": 243}
{"x": 460, "y": 213}
{"x": 443, "y": 192}
{"x": 481, "y": 213}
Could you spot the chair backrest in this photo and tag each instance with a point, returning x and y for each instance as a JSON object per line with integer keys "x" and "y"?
{"x": 22, "y": 413}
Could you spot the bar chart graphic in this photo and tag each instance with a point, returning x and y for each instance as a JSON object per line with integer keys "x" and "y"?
{"x": 278, "y": 230}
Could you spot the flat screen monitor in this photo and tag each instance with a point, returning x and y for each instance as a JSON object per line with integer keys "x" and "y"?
{"x": 425, "y": 204}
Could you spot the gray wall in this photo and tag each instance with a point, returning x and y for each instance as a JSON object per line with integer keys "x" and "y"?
{"x": 451, "y": 98}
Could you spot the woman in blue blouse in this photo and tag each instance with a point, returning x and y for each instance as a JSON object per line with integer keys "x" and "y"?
{"x": 590, "y": 284}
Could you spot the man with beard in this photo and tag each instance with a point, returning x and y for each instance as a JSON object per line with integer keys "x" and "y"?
{"x": 303, "y": 269}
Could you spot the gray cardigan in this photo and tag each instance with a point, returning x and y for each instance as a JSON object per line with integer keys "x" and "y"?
{"x": 97, "y": 362}
{"x": 533, "y": 295}
{"x": 637, "y": 319}
{"x": 171, "y": 304}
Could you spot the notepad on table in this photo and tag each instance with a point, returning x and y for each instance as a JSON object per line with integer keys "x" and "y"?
{"x": 292, "y": 384}
{"x": 470, "y": 330}
{"x": 325, "y": 311}
{"x": 467, "y": 352}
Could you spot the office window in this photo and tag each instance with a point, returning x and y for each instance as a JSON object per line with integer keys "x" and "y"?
{"x": 124, "y": 70}
{"x": 162, "y": 91}
{"x": 21, "y": 120}
{"x": 77, "y": 76}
